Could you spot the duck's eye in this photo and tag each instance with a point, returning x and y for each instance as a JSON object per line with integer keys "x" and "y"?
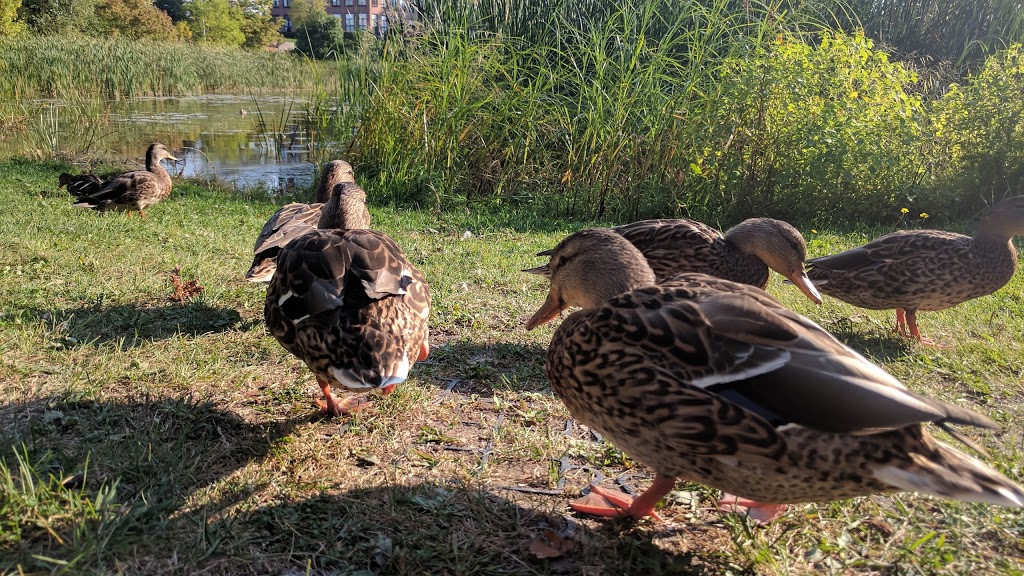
{"x": 562, "y": 260}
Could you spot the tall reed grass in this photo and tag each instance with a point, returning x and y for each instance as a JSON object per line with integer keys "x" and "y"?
{"x": 46, "y": 66}
{"x": 717, "y": 110}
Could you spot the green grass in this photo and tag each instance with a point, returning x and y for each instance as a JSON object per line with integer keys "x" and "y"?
{"x": 143, "y": 436}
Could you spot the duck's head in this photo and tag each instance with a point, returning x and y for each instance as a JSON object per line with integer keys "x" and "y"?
{"x": 779, "y": 245}
{"x": 158, "y": 152}
{"x": 587, "y": 269}
{"x": 64, "y": 179}
{"x": 335, "y": 172}
{"x": 1005, "y": 218}
{"x": 346, "y": 208}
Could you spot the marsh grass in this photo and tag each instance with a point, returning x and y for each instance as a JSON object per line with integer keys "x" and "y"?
{"x": 49, "y": 67}
{"x": 143, "y": 436}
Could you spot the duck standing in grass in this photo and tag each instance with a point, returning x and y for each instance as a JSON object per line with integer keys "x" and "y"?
{"x": 135, "y": 190}
{"x": 351, "y": 306}
{"x": 716, "y": 382}
{"x": 295, "y": 219}
{"x": 743, "y": 254}
{"x": 913, "y": 270}
{"x": 80, "y": 185}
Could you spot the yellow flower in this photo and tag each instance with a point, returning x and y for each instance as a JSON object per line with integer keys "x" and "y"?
{"x": 813, "y": 231}
{"x": 924, "y": 215}
{"x": 904, "y": 210}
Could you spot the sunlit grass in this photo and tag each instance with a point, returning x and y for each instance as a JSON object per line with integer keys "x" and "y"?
{"x": 155, "y": 438}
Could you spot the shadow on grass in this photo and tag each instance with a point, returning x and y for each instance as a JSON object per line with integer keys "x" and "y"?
{"x": 428, "y": 528}
{"x": 147, "y": 457}
{"x": 876, "y": 343}
{"x": 473, "y": 367}
{"x": 133, "y": 325}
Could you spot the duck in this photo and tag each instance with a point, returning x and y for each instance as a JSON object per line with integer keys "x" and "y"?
{"x": 350, "y": 305}
{"x": 295, "y": 219}
{"x": 715, "y": 382}
{"x": 912, "y": 270}
{"x": 136, "y": 190}
{"x": 80, "y": 185}
{"x": 743, "y": 254}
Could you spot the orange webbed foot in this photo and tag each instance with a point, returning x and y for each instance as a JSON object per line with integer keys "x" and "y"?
{"x": 424, "y": 351}
{"x": 601, "y": 502}
{"x": 346, "y": 406}
{"x": 757, "y": 511}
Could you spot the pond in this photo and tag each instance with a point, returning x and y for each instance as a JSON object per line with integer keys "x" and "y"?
{"x": 239, "y": 139}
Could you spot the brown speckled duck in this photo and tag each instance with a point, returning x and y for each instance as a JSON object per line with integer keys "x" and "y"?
{"x": 80, "y": 184}
{"x": 294, "y": 220}
{"x": 743, "y": 254}
{"x": 349, "y": 305}
{"x": 135, "y": 190}
{"x": 716, "y": 382}
{"x": 915, "y": 270}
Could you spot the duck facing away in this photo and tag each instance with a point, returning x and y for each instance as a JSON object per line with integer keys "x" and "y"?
{"x": 80, "y": 185}
{"x": 349, "y": 305}
{"x": 135, "y": 190}
{"x": 716, "y": 382}
{"x": 915, "y": 270}
{"x": 295, "y": 219}
{"x": 743, "y": 254}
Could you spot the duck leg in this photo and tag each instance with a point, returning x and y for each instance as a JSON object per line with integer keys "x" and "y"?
{"x": 601, "y": 502}
{"x": 760, "y": 512}
{"x": 334, "y": 407}
{"x": 901, "y": 323}
{"x": 424, "y": 351}
{"x": 915, "y": 332}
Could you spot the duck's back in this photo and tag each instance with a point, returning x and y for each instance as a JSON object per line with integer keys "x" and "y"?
{"x": 682, "y": 245}
{"x": 350, "y": 305}
{"x": 915, "y": 270}
{"x": 288, "y": 223}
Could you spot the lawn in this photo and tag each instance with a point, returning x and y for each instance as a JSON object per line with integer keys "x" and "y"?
{"x": 141, "y": 435}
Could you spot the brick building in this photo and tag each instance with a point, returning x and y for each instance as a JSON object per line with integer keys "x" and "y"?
{"x": 372, "y": 15}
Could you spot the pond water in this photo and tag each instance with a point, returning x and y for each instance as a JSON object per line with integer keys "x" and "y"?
{"x": 240, "y": 139}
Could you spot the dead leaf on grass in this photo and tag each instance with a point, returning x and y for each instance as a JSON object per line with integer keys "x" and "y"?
{"x": 183, "y": 289}
{"x": 550, "y": 545}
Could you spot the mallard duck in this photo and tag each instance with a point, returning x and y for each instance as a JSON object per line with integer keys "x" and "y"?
{"x": 715, "y": 382}
{"x": 349, "y": 305}
{"x": 294, "y": 220}
{"x": 135, "y": 190}
{"x": 915, "y": 270}
{"x": 81, "y": 184}
{"x": 743, "y": 254}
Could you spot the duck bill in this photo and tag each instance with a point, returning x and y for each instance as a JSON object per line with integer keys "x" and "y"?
{"x": 542, "y": 270}
{"x": 802, "y": 282}
{"x": 551, "y": 308}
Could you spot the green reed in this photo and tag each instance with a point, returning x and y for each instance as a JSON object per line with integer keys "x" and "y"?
{"x": 35, "y": 66}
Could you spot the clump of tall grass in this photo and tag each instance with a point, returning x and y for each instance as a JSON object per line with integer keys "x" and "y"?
{"x": 47, "y": 66}
{"x": 643, "y": 108}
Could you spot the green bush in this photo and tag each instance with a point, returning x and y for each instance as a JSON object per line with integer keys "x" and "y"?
{"x": 977, "y": 135}
{"x": 801, "y": 131}
{"x": 319, "y": 37}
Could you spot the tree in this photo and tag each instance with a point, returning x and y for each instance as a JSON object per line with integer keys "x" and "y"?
{"x": 304, "y": 11}
{"x": 319, "y": 36}
{"x": 257, "y": 25}
{"x": 215, "y": 22}
{"x": 10, "y": 25}
{"x": 59, "y": 16}
{"x": 134, "y": 19}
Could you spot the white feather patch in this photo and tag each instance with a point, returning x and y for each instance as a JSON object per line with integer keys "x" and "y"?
{"x": 285, "y": 296}
{"x": 743, "y": 372}
{"x": 401, "y": 372}
{"x": 348, "y": 379}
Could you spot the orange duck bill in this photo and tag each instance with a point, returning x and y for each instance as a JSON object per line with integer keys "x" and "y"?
{"x": 800, "y": 279}
{"x": 551, "y": 308}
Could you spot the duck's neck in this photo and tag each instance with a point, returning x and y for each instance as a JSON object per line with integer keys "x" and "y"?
{"x": 992, "y": 236}
{"x": 153, "y": 165}
{"x": 345, "y": 212}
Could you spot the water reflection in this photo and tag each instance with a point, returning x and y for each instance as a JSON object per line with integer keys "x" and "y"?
{"x": 238, "y": 139}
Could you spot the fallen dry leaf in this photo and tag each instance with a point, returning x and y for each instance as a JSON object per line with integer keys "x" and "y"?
{"x": 183, "y": 290}
{"x": 550, "y": 545}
